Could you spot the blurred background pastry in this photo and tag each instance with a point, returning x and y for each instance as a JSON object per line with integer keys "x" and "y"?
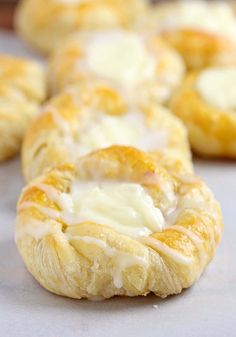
{"x": 22, "y": 90}
{"x": 45, "y": 24}
{"x": 206, "y": 102}
{"x": 204, "y": 32}
{"x": 83, "y": 119}
{"x": 146, "y": 68}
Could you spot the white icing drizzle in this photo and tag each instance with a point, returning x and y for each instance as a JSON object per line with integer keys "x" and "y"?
{"x": 47, "y": 211}
{"x": 166, "y": 250}
{"x": 194, "y": 238}
{"x": 60, "y": 122}
{"x": 36, "y": 229}
{"x": 121, "y": 260}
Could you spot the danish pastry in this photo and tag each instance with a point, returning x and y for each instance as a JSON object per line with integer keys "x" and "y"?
{"x": 22, "y": 89}
{"x": 206, "y": 103}
{"x": 203, "y": 32}
{"x": 145, "y": 66}
{"x": 98, "y": 115}
{"x": 116, "y": 223}
{"x": 45, "y": 24}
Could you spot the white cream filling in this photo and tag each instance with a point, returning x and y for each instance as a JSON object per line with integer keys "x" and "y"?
{"x": 121, "y": 57}
{"x": 217, "y": 86}
{"x": 129, "y": 130}
{"x": 217, "y": 17}
{"x": 125, "y": 207}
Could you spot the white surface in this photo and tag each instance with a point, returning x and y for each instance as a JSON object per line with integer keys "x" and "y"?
{"x": 207, "y": 309}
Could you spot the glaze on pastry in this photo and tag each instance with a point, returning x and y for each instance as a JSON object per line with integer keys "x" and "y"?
{"x": 116, "y": 223}
{"x": 22, "y": 89}
{"x": 45, "y": 24}
{"x": 98, "y": 115}
{"x": 203, "y": 32}
{"x": 142, "y": 64}
{"x": 206, "y": 102}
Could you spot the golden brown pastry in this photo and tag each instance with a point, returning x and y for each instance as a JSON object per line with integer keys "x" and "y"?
{"x": 98, "y": 115}
{"x": 116, "y": 223}
{"x": 204, "y": 32}
{"x": 143, "y": 65}
{"x": 45, "y": 24}
{"x": 206, "y": 103}
{"x": 22, "y": 89}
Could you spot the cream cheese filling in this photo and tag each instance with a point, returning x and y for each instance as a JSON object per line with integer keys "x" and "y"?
{"x": 125, "y": 207}
{"x": 217, "y": 17}
{"x": 121, "y": 57}
{"x": 130, "y": 129}
{"x": 217, "y": 87}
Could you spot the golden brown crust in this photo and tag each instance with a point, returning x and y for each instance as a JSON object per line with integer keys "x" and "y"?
{"x": 22, "y": 89}
{"x": 201, "y": 49}
{"x": 46, "y": 24}
{"x": 199, "y": 45}
{"x": 212, "y": 132}
{"x": 56, "y": 136}
{"x": 84, "y": 260}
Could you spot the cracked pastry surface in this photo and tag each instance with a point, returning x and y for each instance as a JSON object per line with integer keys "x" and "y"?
{"x": 143, "y": 64}
{"x": 116, "y": 223}
{"x": 45, "y": 24}
{"x": 22, "y": 89}
{"x": 203, "y": 32}
{"x": 206, "y": 103}
{"x": 97, "y": 115}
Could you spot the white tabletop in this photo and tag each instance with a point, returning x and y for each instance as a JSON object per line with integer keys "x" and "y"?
{"x": 207, "y": 309}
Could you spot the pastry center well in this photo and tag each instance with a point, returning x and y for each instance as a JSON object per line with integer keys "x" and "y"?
{"x": 121, "y": 57}
{"x": 125, "y": 207}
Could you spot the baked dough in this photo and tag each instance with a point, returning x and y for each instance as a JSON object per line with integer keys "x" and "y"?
{"x": 45, "y": 24}
{"x": 206, "y": 103}
{"x": 142, "y": 64}
{"x": 116, "y": 223}
{"x": 98, "y": 115}
{"x": 22, "y": 89}
{"x": 203, "y": 32}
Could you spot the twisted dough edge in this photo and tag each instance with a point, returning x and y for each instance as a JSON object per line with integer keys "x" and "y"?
{"x": 74, "y": 261}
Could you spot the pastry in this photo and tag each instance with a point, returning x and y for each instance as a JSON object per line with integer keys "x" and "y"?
{"x": 206, "y": 102}
{"x": 203, "y": 32}
{"x": 116, "y": 223}
{"x": 97, "y": 115}
{"x": 45, "y": 24}
{"x": 143, "y": 64}
{"x": 22, "y": 89}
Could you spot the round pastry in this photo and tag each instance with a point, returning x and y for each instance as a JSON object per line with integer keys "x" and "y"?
{"x": 206, "y": 102}
{"x": 45, "y": 24}
{"x": 22, "y": 89}
{"x": 116, "y": 223}
{"x": 98, "y": 115}
{"x": 203, "y": 32}
{"x": 142, "y": 64}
